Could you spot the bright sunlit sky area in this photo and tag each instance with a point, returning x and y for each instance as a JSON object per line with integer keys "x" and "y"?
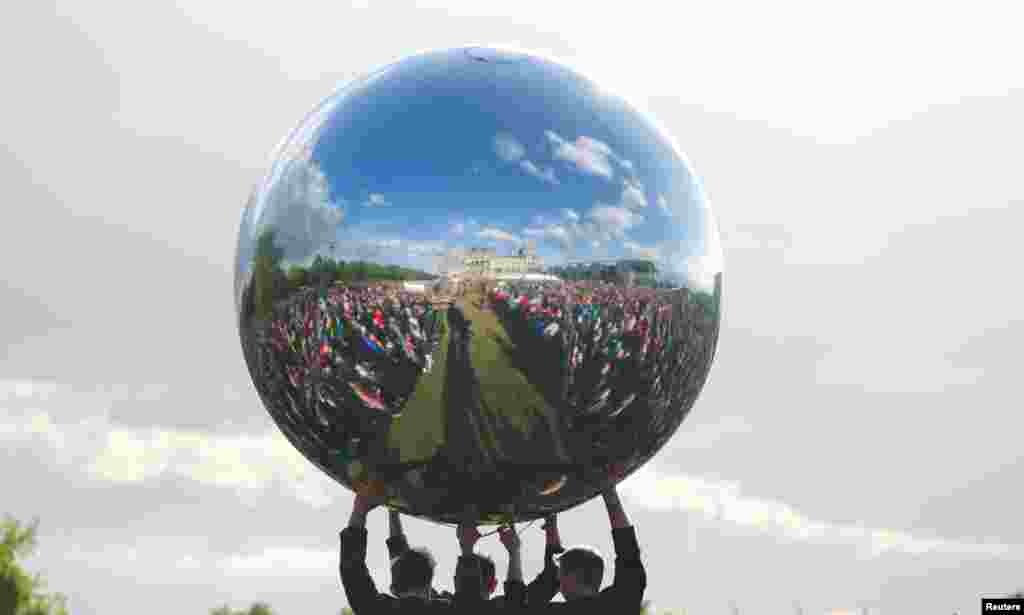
{"x": 855, "y": 447}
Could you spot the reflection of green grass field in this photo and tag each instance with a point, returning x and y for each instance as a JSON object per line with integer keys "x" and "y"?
{"x": 420, "y": 430}
{"x": 503, "y": 386}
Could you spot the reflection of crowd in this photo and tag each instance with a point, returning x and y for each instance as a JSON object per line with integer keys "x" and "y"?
{"x": 340, "y": 357}
{"x": 595, "y": 350}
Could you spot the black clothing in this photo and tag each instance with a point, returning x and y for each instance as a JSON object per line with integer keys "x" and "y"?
{"x": 364, "y": 599}
{"x": 624, "y": 595}
{"x": 542, "y": 589}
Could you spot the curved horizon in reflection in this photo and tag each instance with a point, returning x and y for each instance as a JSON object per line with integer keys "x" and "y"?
{"x": 482, "y": 280}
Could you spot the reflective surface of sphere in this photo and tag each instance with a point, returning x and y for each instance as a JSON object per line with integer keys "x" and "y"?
{"x": 475, "y": 277}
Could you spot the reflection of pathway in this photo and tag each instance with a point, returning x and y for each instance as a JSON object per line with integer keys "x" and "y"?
{"x": 419, "y": 432}
{"x": 526, "y": 427}
{"x": 470, "y": 443}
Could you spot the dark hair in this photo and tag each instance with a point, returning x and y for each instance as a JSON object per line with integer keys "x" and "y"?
{"x": 585, "y": 563}
{"x": 413, "y": 569}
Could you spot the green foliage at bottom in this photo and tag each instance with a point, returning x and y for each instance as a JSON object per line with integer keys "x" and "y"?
{"x": 21, "y": 593}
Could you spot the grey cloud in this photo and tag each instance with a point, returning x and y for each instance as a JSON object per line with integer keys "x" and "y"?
{"x": 145, "y": 290}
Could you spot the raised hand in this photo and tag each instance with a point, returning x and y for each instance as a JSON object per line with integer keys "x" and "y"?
{"x": 616, "y": 472}
{"x": 468, "y": 537}
{"x": 510, "y": 538}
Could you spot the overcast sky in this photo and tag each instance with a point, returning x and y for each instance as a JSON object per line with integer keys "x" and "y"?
{"x": 858, "y": 441}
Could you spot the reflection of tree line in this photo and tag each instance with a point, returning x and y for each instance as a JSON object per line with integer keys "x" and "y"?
{"x": 638, "y": 272}
{"x": 271, "y": 282}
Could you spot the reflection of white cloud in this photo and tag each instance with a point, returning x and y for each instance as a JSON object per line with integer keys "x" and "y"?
{"x": 496, "y": 234}
{"x": 298, "y": 207}
{"x": 663, "y": 204}
{"x": 375, "y": 200}
{"x": 547, "y": 175}
{"x": 638, "y": 251}
{"x": 588, "y": 155}
{"x": 508, "y": 148}
{"x": 723, "y": 501}
{"x": 601, "y": 223}
{"x": 458, "y": 229}
{"x": 700, "y": 271}
{"x": 633, "y": 195}
{"x": 424, "y": 248}
{"x": 610, "y": 222}
{"x": 402, "y": 252}
{"x": 552, "y": 232}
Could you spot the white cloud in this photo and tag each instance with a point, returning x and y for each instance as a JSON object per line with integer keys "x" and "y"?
{"x": 496, "y": 234}
{"x": 375, "y": 200}
{"x": 571, "y": 215}
{"x": 152, "y": 554}
{"x": 508, "y": 148}
{"x": 107, "y": 452}
{"x": 587, "y": 154}
{"x": 275, "y": 561}
{"x": 724, "y": 502}
{"x": 706, "y": 436}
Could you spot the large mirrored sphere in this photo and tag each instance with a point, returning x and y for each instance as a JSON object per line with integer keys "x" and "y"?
{"x": 476, "y": 278}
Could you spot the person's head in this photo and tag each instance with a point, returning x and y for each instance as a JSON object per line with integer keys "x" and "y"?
{"x": 488, "y": 573}
{"x": 580, "y": 571}
{"x": 412, "y": 573}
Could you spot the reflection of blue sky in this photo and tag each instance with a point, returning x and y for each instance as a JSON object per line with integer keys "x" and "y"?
{"x": 442, "y": 152}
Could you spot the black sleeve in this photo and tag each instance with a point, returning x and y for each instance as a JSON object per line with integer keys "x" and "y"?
{"x": 355, "y": 576}
{"x": 627, "y": 589}
{"x": 515, "y": 596}
{"x": 469, "y": 582}
{"x": 397, "y": 545}
{"x": 544, "y": 587}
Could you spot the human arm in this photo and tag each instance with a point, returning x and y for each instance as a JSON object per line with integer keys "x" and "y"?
{"x": 515, "y": 592}
{"x": 396, "y": 542}
{"x": 544, "y": 587}
{"x": 630, "y": 582}
{"x": 360, "y": 590}
{"x": 469, "y": 578}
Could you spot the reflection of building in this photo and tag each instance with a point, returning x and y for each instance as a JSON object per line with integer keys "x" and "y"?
{"x": 485, "y": 262}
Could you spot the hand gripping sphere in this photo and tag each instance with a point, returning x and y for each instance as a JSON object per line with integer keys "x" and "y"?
{"x": 475, "y": 277}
